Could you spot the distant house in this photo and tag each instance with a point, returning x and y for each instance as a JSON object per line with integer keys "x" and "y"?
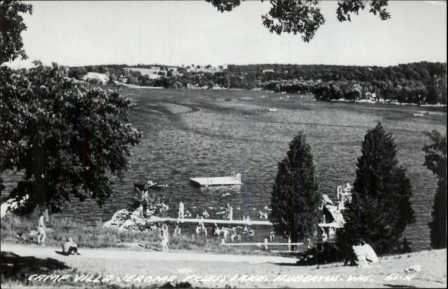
{"x": 204, "y": 69}
{"x": 268, "y": 71}
{"x": 153, "y": 72}
{"x": 96, "y": 77}
{"x": 123, "y": 79}
{"x": 371, "y": 95}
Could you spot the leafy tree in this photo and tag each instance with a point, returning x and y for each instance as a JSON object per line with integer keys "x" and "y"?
{"x": 77, "y": 72}
{"x": 435, "y": 161}
{"x": 304, "y": 16}
{"x": 64, "y": 137}
{"x": 295, "y": 199}
{"x": 11, "y": 26}
{"x": 380, "y": 209}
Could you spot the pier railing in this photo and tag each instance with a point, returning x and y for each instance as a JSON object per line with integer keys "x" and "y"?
{"x": 156, "y": 219}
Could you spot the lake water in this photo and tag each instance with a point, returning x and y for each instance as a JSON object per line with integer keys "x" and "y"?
{"x": 194, "y": 133}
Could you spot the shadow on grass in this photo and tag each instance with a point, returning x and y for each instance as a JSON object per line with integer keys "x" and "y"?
{"x": 399, "y": 286}
{"x": 285, "y": 264}
{"x": 15, "y": 267}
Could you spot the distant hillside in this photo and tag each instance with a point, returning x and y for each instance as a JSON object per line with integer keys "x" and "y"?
{"x": 420, "y": 82}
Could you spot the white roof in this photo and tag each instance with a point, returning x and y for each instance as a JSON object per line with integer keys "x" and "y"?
{"x": 101, "y": 77}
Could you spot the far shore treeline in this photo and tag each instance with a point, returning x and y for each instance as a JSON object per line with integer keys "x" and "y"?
{"x": 420, "y": 82}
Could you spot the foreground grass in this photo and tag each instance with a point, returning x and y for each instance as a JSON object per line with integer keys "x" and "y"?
{"x": 17, "y": 230}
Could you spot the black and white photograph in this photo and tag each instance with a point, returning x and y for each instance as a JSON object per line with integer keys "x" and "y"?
{"x": 223, "y": 144}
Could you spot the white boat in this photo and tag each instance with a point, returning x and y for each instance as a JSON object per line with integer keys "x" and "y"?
{"x": 218, "y": 181}
{"x": 419, "y": 113}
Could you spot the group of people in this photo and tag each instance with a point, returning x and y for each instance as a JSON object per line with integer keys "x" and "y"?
{"x": 228, "y": 213}
{"x": 233, "y": 233}
{"x": 151, "y": 204}
{"x": 182, "y": 213}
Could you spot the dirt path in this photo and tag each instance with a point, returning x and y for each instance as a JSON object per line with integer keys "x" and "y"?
{"x": 243, "y": 271}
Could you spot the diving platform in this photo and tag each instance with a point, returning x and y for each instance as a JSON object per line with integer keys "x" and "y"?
{"x": 218, "y": 181}
{"x": 156, "y": 219}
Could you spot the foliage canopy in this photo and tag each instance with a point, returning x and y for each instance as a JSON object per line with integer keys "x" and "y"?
{"x": 11, "y": 27}
{"x": 65, "y": 137}
{"x": 304, "y": 17}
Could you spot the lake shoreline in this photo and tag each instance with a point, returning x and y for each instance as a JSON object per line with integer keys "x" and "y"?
{"x": 340, "y": 100}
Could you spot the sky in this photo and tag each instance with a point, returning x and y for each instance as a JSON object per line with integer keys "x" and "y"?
{"x": 194, "y": 32}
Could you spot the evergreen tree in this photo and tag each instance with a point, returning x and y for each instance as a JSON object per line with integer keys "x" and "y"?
{"x": 435, "y": 161}
{"x": 381, "y": 208}
{"x": 295, "y": 199}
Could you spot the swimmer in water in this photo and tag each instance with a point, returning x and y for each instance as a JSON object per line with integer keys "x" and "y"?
{"x": 181, "y": 213}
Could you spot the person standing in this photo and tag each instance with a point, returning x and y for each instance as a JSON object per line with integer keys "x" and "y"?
{"x": 203, "y": 228}
{"x": 177, "y": 231}
{"x": 181, "y": 214}
{"x": 229, "y": 212}
{"x": 165, "y": 234}
{"x": 271, "y": 236}
{"x": 164, "y": 209}
{"x": 348, "y": 192}
{"x": 144, "y": 200}
{"x": 41, "y": 229}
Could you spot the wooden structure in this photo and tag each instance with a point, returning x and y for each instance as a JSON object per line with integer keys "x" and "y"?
{"x": 218, "y": 181}
{"x": 245, "y": 222}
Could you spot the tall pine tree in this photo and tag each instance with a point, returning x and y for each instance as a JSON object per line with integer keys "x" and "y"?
{"x": 436, "y": 161}
{"x": 381, "y": 208}
{"x": 295, "y": 199}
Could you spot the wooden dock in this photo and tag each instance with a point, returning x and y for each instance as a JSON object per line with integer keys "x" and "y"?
{"x": 262, "y": 244}
{"x": 156, "y": 219}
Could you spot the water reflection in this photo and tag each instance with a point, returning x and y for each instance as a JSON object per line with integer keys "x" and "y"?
{"x": 222, "y": 191}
